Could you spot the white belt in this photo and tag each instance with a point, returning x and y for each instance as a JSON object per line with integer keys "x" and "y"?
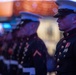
{"x": 20, "y": 66}
{"x": 13, "y": 62}
{"x": 30, "y": 70}
{"x": 8, "y": 62}
{"x": 1, "y": 57}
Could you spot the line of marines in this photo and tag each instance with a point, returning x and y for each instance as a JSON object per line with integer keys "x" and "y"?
{"x": 20, "y": 54}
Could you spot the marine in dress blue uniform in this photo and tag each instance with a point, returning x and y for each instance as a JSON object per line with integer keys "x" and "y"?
{"x": 10, "y": 62}
{"x": 65, "y": 55}
{"x": 32, "y": 56}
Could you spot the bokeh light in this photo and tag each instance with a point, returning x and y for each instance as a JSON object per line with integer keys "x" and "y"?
{"x": 44, "y": 8}
{"x": 6, "y": 9}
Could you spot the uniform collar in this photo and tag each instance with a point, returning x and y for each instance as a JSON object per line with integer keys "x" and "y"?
{"x": 69, "y": 33}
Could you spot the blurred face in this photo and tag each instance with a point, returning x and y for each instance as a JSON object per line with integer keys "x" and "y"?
{"x": 29, "y": 28}
{"x": 65, "y": 23}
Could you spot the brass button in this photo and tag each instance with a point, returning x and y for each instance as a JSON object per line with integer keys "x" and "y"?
{"x": 17, "y": 55}
{"x": 27, "y": 38}
{"x": 35, "y": 37}
{"x": 62, "y": 46}
{"x": 59, "y": 53}
{"x": 67, "y": 34}
{"x": 58, "y": 60}
{"x": 22, "y": 57}
{"x": 24, "y": 54}
{"x": 25, "y": 50}
{"x": 64, "y": 56}
{"x": 57, "y": 66}
{"x": 19, "y": 47}
{"x": 55, "y": 72}
{"x": 21, "y": 62}
{"x": 55, "y": 55}
{"x": 64, "y": 41}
